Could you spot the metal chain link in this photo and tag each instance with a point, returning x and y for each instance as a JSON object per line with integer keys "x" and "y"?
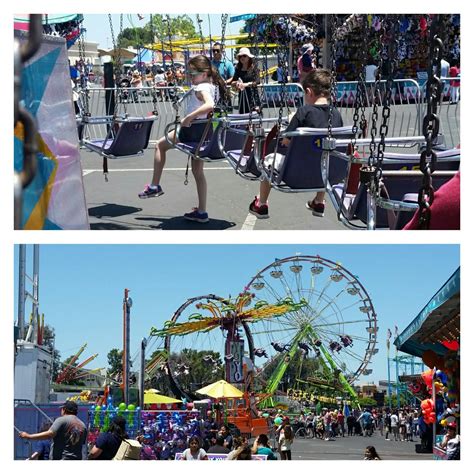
{"x": 282, "y": 57}
{"x": 434, "y": 87}
{"x": 201, "y": 36}
{"x": 174, "y": 99}
{"x": 82, "y": 59}
{"x": 391, "y": 40}
{"x": 333, "y": 99}
{"x": 225, "y": 99}
{"x": 360, "y": 91}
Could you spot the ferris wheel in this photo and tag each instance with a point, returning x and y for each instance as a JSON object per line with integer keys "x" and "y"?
{"x": 337, "y": 325}
{"x": 302, "y": 306}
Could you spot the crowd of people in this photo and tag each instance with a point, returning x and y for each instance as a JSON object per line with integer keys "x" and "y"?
{"x": 67, "y": 437}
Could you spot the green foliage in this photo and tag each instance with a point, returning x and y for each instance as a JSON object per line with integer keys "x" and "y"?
{"x": 181, "y": 26}
{"x": 114, "y": 358}
{"x": 298, "y": 369}
{"x": 200, "y": 372}
{"x": 367, "y": 402}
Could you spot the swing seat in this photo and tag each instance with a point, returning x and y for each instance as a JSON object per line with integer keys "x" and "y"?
{"x": 301, "y": 167}
{"x": 211, "y": 149}
{"x": 399, "y": 194}
{"x": 130, "y": 139}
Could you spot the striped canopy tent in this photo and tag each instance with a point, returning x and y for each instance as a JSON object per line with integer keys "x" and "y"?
{"x": 65, "y": 25}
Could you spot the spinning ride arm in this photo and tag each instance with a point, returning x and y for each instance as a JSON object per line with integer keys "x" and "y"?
{"x": 340, "y": 376}
{"x": 279, "y": 372}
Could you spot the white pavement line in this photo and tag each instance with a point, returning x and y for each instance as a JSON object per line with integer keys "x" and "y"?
{"x": 218, "y": 168}
{"x": 249, "y": 222}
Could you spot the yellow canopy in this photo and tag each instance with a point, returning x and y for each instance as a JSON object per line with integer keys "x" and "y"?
{"x": 220, "y": 389}
{"x": 153, "y": 397}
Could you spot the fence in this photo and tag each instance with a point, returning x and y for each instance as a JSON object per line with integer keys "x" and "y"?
{"x": 407, "y": 107}
{"x": 30, "y": 418}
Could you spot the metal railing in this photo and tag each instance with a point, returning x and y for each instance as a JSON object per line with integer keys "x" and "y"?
{"x": 130, "y": 101}
{"x": 407, "y": 106}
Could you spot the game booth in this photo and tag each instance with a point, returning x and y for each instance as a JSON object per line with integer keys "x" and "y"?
{"x": 434, "y": 335}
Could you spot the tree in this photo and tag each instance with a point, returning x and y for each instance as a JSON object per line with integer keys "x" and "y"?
{"x": 181, "y": 27}
{"x": 299, "y": 369}
{"x": 367, "y": 402}
{"x": 115, "y": 360}
{"x": 192, "y": 371}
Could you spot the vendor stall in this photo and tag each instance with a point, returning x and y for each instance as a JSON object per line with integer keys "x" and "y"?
{"x": 434, "y": 335}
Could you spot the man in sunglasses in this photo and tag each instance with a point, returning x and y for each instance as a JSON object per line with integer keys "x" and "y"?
{"x": 224, "y": 67}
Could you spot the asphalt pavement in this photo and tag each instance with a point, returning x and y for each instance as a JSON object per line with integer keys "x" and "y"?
{"x": 353, "y": 448}
{"x": 114, "y": 205}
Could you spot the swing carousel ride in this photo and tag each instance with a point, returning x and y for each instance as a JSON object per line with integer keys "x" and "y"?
{"x": 296, "y": 310}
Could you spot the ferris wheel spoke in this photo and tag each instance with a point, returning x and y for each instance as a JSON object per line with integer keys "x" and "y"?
{"x": 357, "y": 321}
{"x": 328, "y": 331}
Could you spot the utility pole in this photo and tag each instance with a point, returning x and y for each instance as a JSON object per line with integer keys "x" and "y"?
{"x": 127, "y": 304}
{"x": 21, "y": 291}
{"x": 141, "y": 392}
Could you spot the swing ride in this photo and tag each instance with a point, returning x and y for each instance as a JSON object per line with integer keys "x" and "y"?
{"x": 295, "y": 309}
{"x": 375, "y": 181}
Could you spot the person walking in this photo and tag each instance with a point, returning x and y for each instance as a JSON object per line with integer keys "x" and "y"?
{"x": 454, "y": 71}
{"x": 68, "y": 434}
{"x": 395, "y": 426}
{"x": 107, "y": 444}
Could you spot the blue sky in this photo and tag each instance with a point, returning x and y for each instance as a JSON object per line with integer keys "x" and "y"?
{"x": 81, "y": 286}
{"x": 98, "y": 28}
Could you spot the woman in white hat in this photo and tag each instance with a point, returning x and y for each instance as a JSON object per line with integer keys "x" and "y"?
{"x": 305, "y": 62}
{"x": 245, "y": 80}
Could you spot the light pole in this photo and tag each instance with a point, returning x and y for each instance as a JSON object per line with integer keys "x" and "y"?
{"x": 127, "y": 304}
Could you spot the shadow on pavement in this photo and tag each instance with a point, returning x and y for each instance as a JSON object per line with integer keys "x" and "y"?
{"x": 180, "y": 223}
{"x": 112, "y": 210}
{"x": 108, "y": 226}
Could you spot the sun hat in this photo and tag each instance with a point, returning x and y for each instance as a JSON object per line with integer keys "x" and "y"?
{"x": 245, "y": 52}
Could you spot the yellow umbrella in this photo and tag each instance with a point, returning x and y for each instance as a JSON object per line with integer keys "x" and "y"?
{"x": 220, "y": 389}
{"x": 151, "y": 397}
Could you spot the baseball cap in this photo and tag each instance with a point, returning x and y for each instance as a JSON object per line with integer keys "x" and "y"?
{"x": 307, "y": 48}
{"x": 452, "y": 425}
{"x": 70, "y": 407}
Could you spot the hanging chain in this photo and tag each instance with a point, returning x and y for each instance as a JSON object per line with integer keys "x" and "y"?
{"x": 226, "y": 98}
{"x": 282, "y": 57}
{"x": 391, "y": 39}
{"x": 153, "y": 89}
{"x": 82, "y": 59}
{"x": 173, "y": 67}
{"x": 117, "y": 58}
{"x": 201, "y": 36}
{"x": 256, "y": 103}
{"x": 361, "y": 59}
{"x": 428, "y": 157}
{"x": 333, "y": 99}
